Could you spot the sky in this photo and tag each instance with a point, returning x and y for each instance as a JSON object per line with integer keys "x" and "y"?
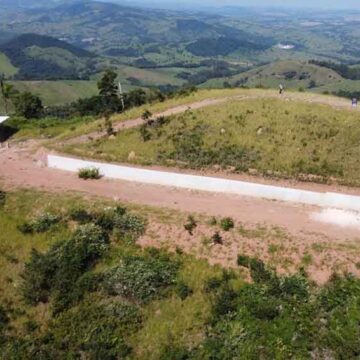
{"x": 325, "y": 4}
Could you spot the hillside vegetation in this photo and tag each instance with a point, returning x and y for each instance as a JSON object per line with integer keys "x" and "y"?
{"x": 265, "y": 136}
{"x": 75, "y": 284}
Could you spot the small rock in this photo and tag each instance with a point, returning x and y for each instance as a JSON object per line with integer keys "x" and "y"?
{"x": 260, "y": 130}
{"x": 112, "y": 137}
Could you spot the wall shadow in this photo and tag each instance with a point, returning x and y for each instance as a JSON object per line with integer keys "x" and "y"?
{"x": 7, "y": 132}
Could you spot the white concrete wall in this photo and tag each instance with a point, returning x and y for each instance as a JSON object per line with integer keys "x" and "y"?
{"x": 333, "y": 200}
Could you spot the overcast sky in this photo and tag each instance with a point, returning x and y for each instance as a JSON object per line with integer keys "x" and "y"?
{"x": 326, "y": 4}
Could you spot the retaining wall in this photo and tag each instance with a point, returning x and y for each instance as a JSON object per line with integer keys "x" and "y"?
{"x": 210, "y": 184}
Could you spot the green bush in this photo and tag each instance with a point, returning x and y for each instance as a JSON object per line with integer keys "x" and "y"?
{"x": 94, "y": 331}
{"x": 171, "y": 352}
{"x": 217, "y": 239}
{"x": 212, "y": 284}
{"x": 183, "y": 290}
{"x": 4, "y": 319}
{"x": 144, "y": 132}
{"x": 89, "y": 173}
{"x": 57, "y": 271}
{"x": 2, "y": 198}
{"x": 41, "y": 224}
{"x": 141, "y": 278}
{"x": 25, "y": 228}
{"x": 129, "y": 224}
{"x": 80, "y": 215}
{"x": 227, "y": 223}
{"x": 44, "y": 222}
{"x": 191, "y": 225}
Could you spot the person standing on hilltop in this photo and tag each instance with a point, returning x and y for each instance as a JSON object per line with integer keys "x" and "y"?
{"x": 281, "y": 89}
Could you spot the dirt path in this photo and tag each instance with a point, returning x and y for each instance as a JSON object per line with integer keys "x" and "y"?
{"x": 20, "y": 167}
{"x": 337, "y": 103}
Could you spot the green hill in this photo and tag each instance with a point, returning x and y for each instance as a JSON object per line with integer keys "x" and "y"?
{"x": 40, "y": 57}
{"x": 297, "y": 136}
{"x": 292, "y": 74}
{"x": 6, "y": 67}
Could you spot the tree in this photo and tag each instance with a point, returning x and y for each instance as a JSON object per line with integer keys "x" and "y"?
{"x": 107, "y": 87}
{"x": 28, "y": 105}
{"x": 7, "y": 92}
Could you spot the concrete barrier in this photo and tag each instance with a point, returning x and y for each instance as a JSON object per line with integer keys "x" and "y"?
{"x": 210, "y": 184}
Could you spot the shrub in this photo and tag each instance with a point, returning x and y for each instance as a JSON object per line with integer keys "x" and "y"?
{"x": 212, "y": 284}
{"x": 57, "y": 271}
{"x": 129, "y": 224}
{"x": 213, "y": 221}
{"x": 144, "y": 132}
{"x": 244, "y": 260}
{"x": 4, "y": 319}
{"x": 172, "y": 352}
{"x": 225, "y": 302}
{"x": 44, "y": 222}
{"x": 25, "y": 228}
{"x": 257, "y": 268}
{"x": 89, "y": 173}
{"x": 40, "y": 224}
{"x": 294, "y": 286}
{"x": 2, "y": 198}
{"x": 95, "y": 331}
{"x": 217, "y": 239}
{"x": 191, "y": 225}
{"x": 183, "y": 290}
{"x": 141, "y": 278}
{"x": 227, "y": 224}
{"x": 80, "y": 215}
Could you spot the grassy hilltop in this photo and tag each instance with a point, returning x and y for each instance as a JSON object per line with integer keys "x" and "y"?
{"x": 269, "y": 136}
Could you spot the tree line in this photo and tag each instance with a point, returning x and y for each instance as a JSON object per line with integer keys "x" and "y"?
{"x": 108, "y": 101}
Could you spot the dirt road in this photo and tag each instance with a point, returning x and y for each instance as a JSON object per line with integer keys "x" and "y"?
{"x": 21, "y": 167}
